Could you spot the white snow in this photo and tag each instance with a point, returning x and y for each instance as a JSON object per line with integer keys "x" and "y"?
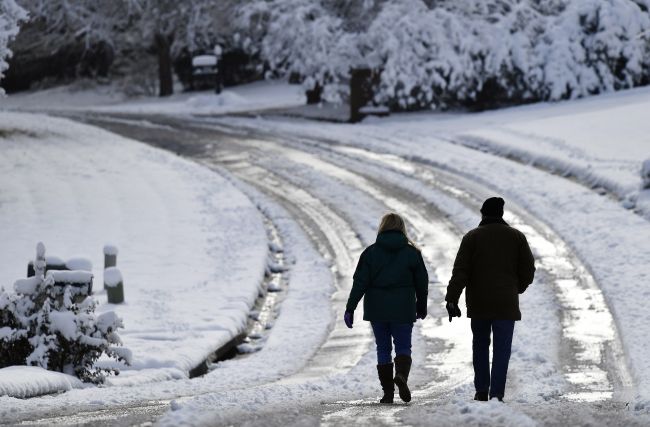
{"x": 30, "y": 381}
{"x": 77, "y": 277}
{"x": 54, "y": 260}
{"x": 79, "y": 263}
{"x": 252, "y": 96}
{"x": 204, "y": 61}
{"x": 107, "y": 321}
{"x": 112, "y": 276}
{"x": 63, "y": 322}
{"x": 27, "y": 286}
{"x": 193, "y": 247}
{"x": 110, "y": 250}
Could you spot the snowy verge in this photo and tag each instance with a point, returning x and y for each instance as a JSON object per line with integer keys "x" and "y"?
{"x": 248, "y": 97}
{"x": 193, "y": 248}
{"x": 600, "y": 141}
{"x": 302, "y": 324}
{"x": 305, "y": 314}
{"x": 30, "y": 381}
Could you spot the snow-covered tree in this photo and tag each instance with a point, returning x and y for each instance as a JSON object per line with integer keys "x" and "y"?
{"x": 457, "y": 52}
{"x": 593, "y": 46}
{"x": 41, "y": 325}
{"x": 132, "y": 29}
{"x": 10, "y": 17}
{"x": 168, "y": 26}
{"x": 300, "y": 37}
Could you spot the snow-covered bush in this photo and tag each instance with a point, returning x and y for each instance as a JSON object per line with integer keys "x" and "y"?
{"x": 458, "y": 52}
{"x": 593, "y": 46}
{"x": 299, "y": 37}
{"x": 40, "y": 325}
{"x": 10, "y": 16}
{"x": 424, "y": 54}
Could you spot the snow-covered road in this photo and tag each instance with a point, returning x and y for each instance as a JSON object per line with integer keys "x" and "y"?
{"x": 568, "y": 366}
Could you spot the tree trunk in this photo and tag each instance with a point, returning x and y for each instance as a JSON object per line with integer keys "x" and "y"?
{"x": 163, "y": 47}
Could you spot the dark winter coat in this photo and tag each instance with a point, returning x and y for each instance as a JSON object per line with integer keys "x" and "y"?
{"x": 495, "y": 264}
{"x": 392, "y": 278}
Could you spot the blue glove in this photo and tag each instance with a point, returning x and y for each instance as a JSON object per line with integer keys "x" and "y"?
{"x": 348, "y": 318}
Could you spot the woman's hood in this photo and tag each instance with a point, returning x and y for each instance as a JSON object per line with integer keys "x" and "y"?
{"x": 392, "y": 240}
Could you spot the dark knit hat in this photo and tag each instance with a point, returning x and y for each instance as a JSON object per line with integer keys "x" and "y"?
{"x": 493, "y": 207}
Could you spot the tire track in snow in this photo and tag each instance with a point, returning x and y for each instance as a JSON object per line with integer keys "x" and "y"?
{"x": 341, "y": 349}
{"x": 592, "y": 355}
{"x": 431, "y": 175}
{"x": 591, "y": 350}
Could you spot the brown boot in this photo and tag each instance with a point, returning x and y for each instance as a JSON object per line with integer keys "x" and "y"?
{"x": 385, "y": 373}
{"x": 402, "y": 369}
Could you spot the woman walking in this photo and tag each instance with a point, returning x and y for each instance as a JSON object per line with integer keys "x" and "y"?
{"x": 392, "y": 277}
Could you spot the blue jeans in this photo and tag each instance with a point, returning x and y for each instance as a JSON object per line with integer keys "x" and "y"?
{"x": 401, "y": 335}
{"x": 502, "y": 331}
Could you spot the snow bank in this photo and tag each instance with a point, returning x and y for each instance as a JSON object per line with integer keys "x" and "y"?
{"x": 214, "y": 103}
{"x": 30, "y": 381}
{"x": 248, "y": 97}
{"x": 193, "y": 247}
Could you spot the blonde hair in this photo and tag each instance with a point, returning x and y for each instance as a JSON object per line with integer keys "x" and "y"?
{"x": 393, "y": 222}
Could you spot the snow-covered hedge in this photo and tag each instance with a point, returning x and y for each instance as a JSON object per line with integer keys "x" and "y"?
{"x": 10, "y": 16}
{"x": 455, "y": 52}
{"x": 40, "y": 325}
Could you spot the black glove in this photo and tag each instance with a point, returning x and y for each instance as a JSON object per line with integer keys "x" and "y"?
{"x": 421, "y": 309}
{"x": 453, "y": 310}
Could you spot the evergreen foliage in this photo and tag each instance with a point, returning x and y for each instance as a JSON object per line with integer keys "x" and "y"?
{"x": 40, "y": 325}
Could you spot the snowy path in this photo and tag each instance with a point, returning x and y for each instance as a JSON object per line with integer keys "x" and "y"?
{"x": 336, "y": 193}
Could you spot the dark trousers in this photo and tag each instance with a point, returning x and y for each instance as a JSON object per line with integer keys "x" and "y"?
{"x": 502, "y": 331}
{"x": 401, "y": 336}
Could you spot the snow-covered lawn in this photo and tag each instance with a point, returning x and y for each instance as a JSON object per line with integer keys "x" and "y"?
{"x": 600, "y": 141}
{"x": 247, "y": 97}
{"x": 193, "y": 248}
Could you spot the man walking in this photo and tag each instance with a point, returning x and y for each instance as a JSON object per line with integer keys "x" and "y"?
{"x": 495, "y": 264}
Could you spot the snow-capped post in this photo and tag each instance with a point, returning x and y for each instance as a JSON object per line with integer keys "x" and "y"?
{"x": 51, "y": 263}
{"x": 114, "y": 285}
{"x": 110, "y": 256}
{"x": 360, "y": 91}
{"x": 645, "y": 174}
{"x": 39, "y": 262}
{"x": 363, "y": 81}
{"x": 314, "y": 94}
